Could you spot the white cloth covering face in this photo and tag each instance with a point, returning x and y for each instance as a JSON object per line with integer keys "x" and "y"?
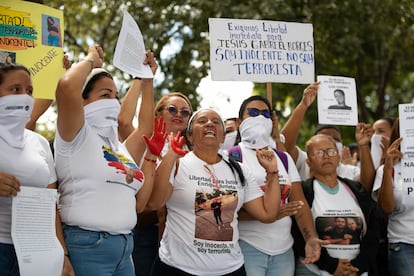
{"x": 15, "y": 112}
{"x": 102, "y": 115}
{"x": 229, "y": 140}
{"x": 255, "y": 132}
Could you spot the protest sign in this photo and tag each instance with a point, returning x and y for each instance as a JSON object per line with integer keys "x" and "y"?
{"x": 32, "y": 34}
{"x": 261, "y": 51}
{"x": 337, "y": 104}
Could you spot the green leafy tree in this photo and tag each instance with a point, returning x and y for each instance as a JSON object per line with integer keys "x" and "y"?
{"x": 369, "y": 40}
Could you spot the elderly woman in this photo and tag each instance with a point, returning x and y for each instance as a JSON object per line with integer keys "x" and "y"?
{"x": 330, "y": 197}
{"x": 192, "y": 242}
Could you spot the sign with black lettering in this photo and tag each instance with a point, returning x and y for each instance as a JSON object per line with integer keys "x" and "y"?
{"x": 261, "y": 51}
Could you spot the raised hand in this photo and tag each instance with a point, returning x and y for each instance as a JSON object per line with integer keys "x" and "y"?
{"x": 267, "y": 159}
{"x": 309, "y": 94}
{"x": 157, "y": 140}
{"x": 363, "y": 133}
{"x": 176, "y": 144}
{"x": 151, "y": 61}
{"x": 347, "y": 157}
{"x": 95, "y": 56}
{"x": 393, "y": 153}
{"x": 66, "y": 62}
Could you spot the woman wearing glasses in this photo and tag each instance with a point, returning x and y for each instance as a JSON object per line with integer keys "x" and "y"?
{"x": 330, "y": 197}
{"x": 192, "y": 244}
{"x": 267, "y": 247}
{"x": 175, "y": 109}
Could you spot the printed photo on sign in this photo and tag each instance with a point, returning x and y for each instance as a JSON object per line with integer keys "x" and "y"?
{"x": 7, "y": 57}
{"x": 337, "y": 101}
{"x": 51, "y": 35}
{"x": 261, "y": 51}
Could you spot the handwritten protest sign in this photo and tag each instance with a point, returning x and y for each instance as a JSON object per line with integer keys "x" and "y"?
{"x": 261, "y": 51}
{"x": 32, "y": 34}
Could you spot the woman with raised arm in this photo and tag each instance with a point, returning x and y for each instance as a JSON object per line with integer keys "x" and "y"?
{"x": 192, "y": 243}
{"x": 101, "y": 187}
{"x": 394, "y": 200}
{"x": 267, "y": 247}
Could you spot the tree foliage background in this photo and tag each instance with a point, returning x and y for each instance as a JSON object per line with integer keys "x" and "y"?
{"x": 370, "y": 40}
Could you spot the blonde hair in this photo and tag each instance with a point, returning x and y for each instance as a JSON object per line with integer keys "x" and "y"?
{"x": 162, "y": 102}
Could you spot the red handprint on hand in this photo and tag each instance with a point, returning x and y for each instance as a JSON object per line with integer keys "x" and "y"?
{"x": 157, "y": 140}
{"x": 176, "y": 143}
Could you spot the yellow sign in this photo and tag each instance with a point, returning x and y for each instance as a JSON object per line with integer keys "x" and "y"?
{"x": 32, "y": 34}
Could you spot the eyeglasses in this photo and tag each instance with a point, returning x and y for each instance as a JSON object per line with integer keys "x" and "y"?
{"x": 254, "y": 112}
{"x": 329, "y": 152}
{"x": 173, "y": 111}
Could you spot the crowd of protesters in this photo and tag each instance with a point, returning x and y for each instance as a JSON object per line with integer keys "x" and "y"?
{"x": 188, "y": 193}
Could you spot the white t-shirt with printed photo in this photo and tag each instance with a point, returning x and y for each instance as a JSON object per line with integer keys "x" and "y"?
{"x": 326, "y": 207}
{"x": 193, "y": 241}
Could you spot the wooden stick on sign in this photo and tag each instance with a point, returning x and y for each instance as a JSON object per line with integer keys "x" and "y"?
{"x": 269, "y": 92}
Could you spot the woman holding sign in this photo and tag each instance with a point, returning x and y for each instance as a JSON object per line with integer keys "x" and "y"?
{"x": 395, "y": 201}
{"x": 101, "y": 187}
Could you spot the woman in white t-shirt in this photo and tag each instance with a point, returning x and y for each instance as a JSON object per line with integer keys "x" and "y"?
{"x": 333, "y": 200}
{"x": 394, "y": 199}
{"x": 192, "y": 242}
{"x": 25, "y": 160}
{"x": 267, "y": 247}
{"x": 101, "y": 187}
{"x": 175, "y": 109}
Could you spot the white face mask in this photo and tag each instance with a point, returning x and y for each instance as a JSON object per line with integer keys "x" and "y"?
{"x": 102, "y": 116}
{"x": 339, "y": 146}
{"x": 229, "y": 140}
{"x": 376, "y": 151}
{"x": 15, "y": 111}
{"x": 255, "y": 132}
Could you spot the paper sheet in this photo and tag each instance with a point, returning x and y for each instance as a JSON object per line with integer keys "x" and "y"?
{"x": 130, "y": 51}
{"x": 38, "y": 250}
{"x": 406, "y": 115}
{"x": 337, "y": 101}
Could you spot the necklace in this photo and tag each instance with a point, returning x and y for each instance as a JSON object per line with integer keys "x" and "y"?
{"x": 331, "y": 190}
{"x": 212, "y": 175}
